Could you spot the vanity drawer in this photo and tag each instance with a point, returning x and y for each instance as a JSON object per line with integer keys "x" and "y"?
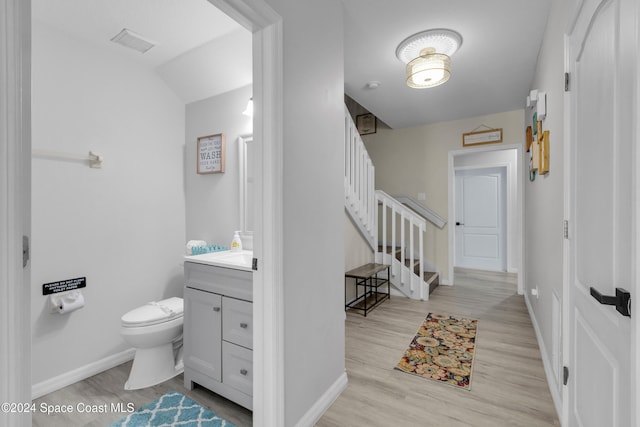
{"x": 237, "y": 322}
{"x": 237, "y": 367}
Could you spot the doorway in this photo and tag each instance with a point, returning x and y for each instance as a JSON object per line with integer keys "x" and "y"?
{"x": 266, "y": 26}
{"x": 490, "y": 160}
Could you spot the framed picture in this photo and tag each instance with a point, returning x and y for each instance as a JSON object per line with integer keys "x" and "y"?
{"x": 492, "y": 136}
{"x": 544, "y": 153}
{"x": 211, "y": 154}
{"x": 366, "y": 123}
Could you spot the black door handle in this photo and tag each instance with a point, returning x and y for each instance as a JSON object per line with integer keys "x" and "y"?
{"x": 622, "y": 300}
{"x": 459, "y": 223}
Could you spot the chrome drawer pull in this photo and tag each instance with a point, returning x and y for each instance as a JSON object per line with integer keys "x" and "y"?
{"x": 244, "y": 325}
{"x": 244, "y": 371}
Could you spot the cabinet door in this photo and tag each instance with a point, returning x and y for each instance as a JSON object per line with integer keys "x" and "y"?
{"x": 203, "y": 332}
{"x": 238, "y": 367}
{"x": 237, "y": 321}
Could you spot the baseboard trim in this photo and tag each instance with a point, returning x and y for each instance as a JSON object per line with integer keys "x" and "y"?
{"x": 546, "y": 363}
{"x": 79, "y": 374}
{"x": 326, "y": 400}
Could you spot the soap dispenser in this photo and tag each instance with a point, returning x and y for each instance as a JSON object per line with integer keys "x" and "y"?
{"x": 236, "y": 243}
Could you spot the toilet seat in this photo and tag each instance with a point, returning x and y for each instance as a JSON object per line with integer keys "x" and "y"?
{"x": 154, "y": 313}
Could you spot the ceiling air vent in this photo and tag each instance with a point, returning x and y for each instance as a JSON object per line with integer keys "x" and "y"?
{"x": 132, "y": 40}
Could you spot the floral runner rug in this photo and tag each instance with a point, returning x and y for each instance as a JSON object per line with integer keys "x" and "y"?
{"x": 442, "y": 350}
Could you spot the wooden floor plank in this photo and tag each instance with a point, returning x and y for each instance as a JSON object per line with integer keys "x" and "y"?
{"x": 508, "y": 386}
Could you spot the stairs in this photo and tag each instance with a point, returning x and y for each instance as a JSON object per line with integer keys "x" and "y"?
{"x": 431, "y": 278}
{"x": 394, "y": 232}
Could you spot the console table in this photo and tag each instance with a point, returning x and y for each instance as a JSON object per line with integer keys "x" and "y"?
{"x": 367, "y": 280}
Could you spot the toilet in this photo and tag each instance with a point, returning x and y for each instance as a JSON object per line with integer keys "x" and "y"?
{"x": 155, "y": 331}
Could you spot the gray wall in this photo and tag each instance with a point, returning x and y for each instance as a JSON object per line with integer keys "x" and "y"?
{"x": 212, "y": 201}
{"x": 544, "y": 199}
{"x": 313, "y": 201}
{"x": 121, "y": 226}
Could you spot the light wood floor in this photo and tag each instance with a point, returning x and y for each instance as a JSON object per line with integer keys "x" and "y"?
{"x": 508, "y": 386}
{"x": 108, "y": 387}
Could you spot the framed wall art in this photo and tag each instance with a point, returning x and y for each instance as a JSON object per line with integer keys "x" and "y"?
{"x": 491, "y": 136}
{"x": 211, "y": 154}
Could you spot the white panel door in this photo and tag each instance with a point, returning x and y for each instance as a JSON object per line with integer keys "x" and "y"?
{"x": 481, "y": 219}
{"x": 601, "y": 247}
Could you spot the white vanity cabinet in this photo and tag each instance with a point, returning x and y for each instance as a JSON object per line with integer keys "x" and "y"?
{"x": 218, "y": 331}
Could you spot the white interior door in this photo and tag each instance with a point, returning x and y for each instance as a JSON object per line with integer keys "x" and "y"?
{"x": 602, "y": 55}
{"x": 481, "y": 219}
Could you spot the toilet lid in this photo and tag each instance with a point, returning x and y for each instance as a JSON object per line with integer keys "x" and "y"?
{"x": 154, "y": 312}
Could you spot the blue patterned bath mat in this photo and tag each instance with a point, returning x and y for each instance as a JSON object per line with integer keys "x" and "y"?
{"x": 172, "y": 409}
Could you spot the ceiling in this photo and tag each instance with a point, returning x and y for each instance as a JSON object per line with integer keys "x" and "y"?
{"x": 490, "y": 73}
{"x": 201, "y": 52}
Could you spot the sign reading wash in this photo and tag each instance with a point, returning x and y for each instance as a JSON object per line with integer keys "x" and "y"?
{"x": 211, "y": 154}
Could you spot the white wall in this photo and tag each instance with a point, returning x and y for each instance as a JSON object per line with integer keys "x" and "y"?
{"x": 121, "y": 226}
{"x": 414, "y": 160}
{"x": 313, "y": 201}
{"x": 212, "y": 200}
{"x": 544, "y": 199}
{"x": 357, "y": 252}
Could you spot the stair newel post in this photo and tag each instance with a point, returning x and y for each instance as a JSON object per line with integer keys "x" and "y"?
{"x": 420, "y": 261}
{"x": 373, "y": 203}
{"x": 374, "y": 212}
{"x": 412, "y": 257}
{"x": 393, "y": 245}
{"x": 384, "y": 231}
{"x": 403, "y": 245}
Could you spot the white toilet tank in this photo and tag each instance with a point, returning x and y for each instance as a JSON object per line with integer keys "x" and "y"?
{"x": 154, "y": 313}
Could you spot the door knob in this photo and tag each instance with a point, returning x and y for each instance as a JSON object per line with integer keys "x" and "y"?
{"x": 622, "y": 300}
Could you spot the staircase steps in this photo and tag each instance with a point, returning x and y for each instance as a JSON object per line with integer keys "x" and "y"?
{"x": 430, "y": 277}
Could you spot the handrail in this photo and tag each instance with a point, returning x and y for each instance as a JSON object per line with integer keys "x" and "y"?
{"x": 425, "y": 212}
{"x": 390, "y": 200}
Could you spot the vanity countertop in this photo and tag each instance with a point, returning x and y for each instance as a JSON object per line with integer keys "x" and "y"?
{"x": 238, "y": 260}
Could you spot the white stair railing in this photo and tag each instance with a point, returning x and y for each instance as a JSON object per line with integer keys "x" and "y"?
{"x": 359, "y": 187}
{"x": 397, "y": 219}
{"x": 362, "y": 202}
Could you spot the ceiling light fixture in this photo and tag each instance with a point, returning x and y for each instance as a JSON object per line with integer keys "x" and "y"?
{"x": 428, "y": 56}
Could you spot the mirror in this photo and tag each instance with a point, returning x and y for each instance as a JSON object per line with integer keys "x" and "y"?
{"x": 247, "y": 158}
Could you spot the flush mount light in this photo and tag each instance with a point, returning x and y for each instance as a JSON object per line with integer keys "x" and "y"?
{"x": 428, "y": 56}
{"x": 133, "y": 41}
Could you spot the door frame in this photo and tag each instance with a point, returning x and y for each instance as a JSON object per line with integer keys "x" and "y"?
{"x": 15, "y": 206}
{"x": 504, "y": 170}
{"x": 634, "y": 286}
{"x": 268, "y": 296}
{"x": 15, "y": 209}
{"x": 518, "y": 216}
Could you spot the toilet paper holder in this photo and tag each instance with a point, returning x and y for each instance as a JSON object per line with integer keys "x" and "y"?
{"x": 66, "y": 302}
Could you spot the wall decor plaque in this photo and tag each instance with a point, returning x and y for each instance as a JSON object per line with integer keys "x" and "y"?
{"x": 211, "y": 153}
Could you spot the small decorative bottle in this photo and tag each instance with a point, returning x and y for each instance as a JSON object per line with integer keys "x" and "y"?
{"x": 236, "y": 243}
